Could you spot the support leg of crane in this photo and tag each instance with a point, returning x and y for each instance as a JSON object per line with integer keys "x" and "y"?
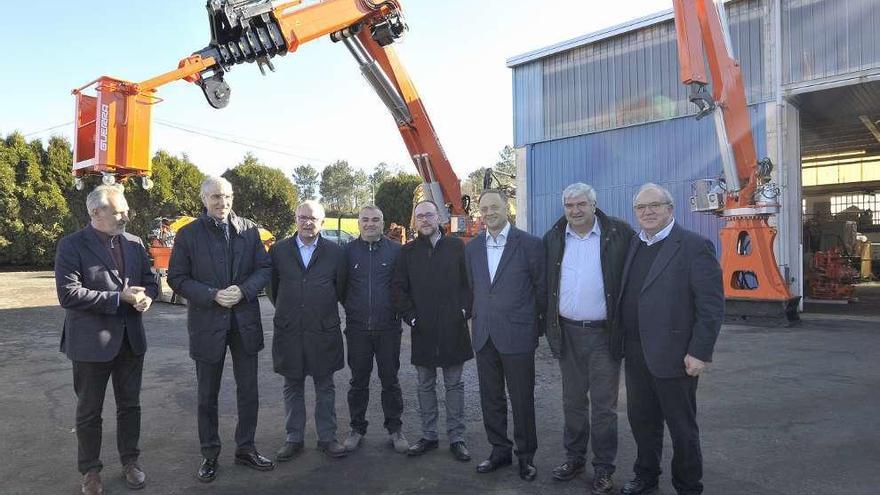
{"x": 762, "y": 313}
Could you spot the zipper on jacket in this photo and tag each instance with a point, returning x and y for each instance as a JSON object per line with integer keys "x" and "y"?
{"x": 370, "y": 288}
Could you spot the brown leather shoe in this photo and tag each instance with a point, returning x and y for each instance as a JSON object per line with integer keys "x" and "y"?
{"x": 92, "y": 484}
{"x": 134, "y": 476}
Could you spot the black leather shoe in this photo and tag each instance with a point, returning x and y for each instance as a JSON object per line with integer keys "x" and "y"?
{"x": 527, "y": 470}
{"x": 603, "y": 484}
{"x": 567, "y": 470}
{"x": 288, "y": 451}
{"x": 491, "y": 464}
{"x": 459, "y": 451}
{"x": 639, "y": 486}
{"x": 422, "y": 446}
{"x": 208, "y": 470}
{"x": 254, "y": 460}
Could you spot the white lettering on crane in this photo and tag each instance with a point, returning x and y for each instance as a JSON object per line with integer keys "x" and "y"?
{"x": 104, "y": 123}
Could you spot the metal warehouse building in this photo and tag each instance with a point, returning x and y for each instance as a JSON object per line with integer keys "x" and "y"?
{"x": 609, "y": 109}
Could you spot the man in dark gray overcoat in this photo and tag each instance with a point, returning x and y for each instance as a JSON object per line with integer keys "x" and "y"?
{"x": 308, "y": 281}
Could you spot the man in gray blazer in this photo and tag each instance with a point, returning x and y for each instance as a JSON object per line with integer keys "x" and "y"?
{"x": 506, "y": 271}
{"x": 219, "y": 264}
{"x": 104, "y": 284}
{"x": 671, "y": 307}
{"x": 308, "y": 282}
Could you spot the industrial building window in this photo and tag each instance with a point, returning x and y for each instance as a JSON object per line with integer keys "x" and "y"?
{"x": 840, "y": 168}
{"x": 864, "y": 202}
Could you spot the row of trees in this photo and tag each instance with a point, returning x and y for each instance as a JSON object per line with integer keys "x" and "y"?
{"x": 39, "y": 203}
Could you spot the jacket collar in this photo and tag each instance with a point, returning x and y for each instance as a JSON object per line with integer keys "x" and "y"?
{"x": 235, "y": 223}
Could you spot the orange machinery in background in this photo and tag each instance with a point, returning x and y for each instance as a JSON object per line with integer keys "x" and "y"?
{"x": 744, "y": 196}
{"x": 113, "y": 125}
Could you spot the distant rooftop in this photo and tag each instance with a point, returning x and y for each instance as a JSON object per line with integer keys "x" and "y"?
{"x": 628, "y": 26}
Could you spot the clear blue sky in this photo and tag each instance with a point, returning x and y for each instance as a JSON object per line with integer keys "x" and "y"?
{"x": 316, "y": 108}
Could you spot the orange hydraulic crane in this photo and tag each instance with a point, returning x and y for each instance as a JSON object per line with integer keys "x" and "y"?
{"x": 113, "y": 125}
{"x": 745, "y": 195}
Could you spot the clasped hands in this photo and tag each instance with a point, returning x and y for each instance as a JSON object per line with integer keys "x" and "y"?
{"x": 137, "y": 297}
{"x": 229, "y": 296}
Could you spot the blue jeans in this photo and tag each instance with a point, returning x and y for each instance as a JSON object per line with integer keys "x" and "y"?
{"x": 454, "y": 402}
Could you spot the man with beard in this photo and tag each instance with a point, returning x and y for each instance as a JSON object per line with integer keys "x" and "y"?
{"x": 104, "y": 284}
{"x": 431, "y": 294}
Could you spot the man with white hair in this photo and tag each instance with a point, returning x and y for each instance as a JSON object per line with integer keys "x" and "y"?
{"x": 104, "y": 284}
{"x": 308, "y": 282}
{"x": 219, "y": 265}
{"x": 585, "y": 252}
{"x": 672, "y": 307}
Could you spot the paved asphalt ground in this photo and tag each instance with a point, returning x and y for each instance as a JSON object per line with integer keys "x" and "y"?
{"x": 782, "y": 411}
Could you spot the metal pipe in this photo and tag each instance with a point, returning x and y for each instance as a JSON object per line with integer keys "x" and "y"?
{"x": 728, "y": 161}
{"x": 379, "y": 81}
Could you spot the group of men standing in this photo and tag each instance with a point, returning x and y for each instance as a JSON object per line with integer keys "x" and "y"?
{"x": 600, "y": 292}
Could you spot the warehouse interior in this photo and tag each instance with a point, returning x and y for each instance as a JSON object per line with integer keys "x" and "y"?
{"x": 840, "y": 172}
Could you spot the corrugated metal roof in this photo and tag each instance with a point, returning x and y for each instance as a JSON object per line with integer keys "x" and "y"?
{"x": 628, "y": 26}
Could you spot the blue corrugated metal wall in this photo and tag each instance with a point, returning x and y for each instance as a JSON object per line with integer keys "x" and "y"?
{"x": 628, "y": 79}
{"x": 672, "y": 153}
{"x": 826, "y": 38}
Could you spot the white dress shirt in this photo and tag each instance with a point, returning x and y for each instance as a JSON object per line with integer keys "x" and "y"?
{"x": 659, "y": 236}
{"x": 495, "y": 248}
{"x": 306, "y": 250}
{"x": 581, "y": 287}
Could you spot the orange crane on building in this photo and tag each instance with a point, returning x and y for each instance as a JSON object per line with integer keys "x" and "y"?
{"x": 745, "y": 195}
{"x": 112, "y": 135}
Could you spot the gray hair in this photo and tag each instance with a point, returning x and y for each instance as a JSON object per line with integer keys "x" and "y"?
{"x": 372, "y": 208}
{"x": 316, "y": 208}
{"x": 100, "y": 196}
{"x": 580, "y": 189}
{"x": 662, "y": 190}
{"x": 212, "y": 181}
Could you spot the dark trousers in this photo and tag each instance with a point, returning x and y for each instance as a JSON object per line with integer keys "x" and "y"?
{"x": 295, "y": 408}
{"x": 90, "y": 385}
{"x": 209, "y": 375}
{"x": 363, "y": 347}
{"x": 589, "y": 374}
{"x": 649, "y": 402}
{"x": 518, "y": 371}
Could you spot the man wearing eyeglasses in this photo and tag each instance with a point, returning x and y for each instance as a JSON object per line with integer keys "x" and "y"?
{"x": 219, "y": 265}
{"x": 506, "y": 272}
{"x": 430, "y": 292}
{"x": 672, "y": 307}
{"x": 586, "y": 250}
{"x": 308, "y": 282}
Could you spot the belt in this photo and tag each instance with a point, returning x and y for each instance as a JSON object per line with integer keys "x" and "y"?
{"x": 584, "y": 323}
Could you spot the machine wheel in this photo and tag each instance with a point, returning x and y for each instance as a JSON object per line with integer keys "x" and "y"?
{"x": 108, "y": 179}
{"x": 147, "y": 183}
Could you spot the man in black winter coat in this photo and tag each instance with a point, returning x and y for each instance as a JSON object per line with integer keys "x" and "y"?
{"x": 430, "y": 292}
{"x": 220, "y": 265}
{"x": 372, "y": 328}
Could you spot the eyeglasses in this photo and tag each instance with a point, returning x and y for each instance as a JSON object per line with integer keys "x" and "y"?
{"x": 303, "y": 218}
{"x": 581, "y": 205}
{"x": 217, "y": 197}
{"x": 650, "y": 206}
{"x": 426, "y": 216}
